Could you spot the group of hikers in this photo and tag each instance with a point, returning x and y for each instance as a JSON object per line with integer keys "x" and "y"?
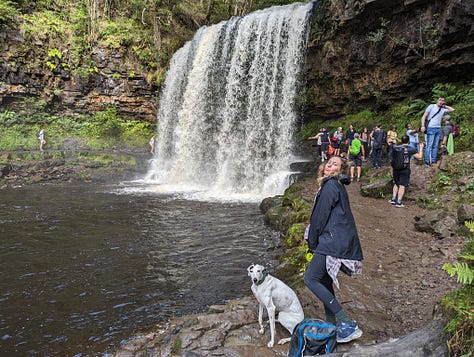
{"x": 332, "y": 233}
{"x": 372, "y": 144}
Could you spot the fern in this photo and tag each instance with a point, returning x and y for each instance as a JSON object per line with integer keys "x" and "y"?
{"x": 464, "y": 273}
{"x": 470, "y": 225}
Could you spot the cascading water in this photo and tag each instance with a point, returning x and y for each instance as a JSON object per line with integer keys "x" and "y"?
{"x": 227, "y": 112}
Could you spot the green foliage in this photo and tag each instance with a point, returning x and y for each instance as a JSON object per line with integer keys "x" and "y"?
{"x": 45, "y": 26}
{"x": 463, "y": 272}
{"x": 54, "y": 52}
{"x": 8, "y": 13}
{"x": 295, "y": 234}
{"x": 429, "y": 202}
{"x": 379, "y": 34}
{"x": 442, "y": 184}
{"x": 176, "y": 348}
{"x": 459, "y": 304}
{"x": 101, "y": 131}
{"x": 118, "y": 34}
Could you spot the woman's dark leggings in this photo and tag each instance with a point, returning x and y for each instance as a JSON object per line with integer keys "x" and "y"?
{"x": 319, "y": 282}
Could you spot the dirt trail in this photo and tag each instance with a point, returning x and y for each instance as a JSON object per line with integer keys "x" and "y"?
{"x": 402, "y": 281}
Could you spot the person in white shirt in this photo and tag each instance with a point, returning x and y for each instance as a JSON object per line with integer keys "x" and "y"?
{"x": 431, "y": 126}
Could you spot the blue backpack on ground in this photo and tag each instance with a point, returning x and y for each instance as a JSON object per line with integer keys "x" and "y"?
{"x": 312, "y": 337}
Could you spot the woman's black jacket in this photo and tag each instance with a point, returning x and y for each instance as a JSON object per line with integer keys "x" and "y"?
{"x": 332, "y": 227}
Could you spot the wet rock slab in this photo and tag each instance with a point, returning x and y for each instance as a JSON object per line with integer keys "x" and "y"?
{"x": 232, "y": 330}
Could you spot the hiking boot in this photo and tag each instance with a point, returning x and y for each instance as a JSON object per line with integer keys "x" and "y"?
{"x": 392, "y": 201}
{"x": 347, "y": 331}
{"x": 399, "y": 204}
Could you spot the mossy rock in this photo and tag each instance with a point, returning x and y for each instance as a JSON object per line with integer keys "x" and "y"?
{"x": 378, "y": 189}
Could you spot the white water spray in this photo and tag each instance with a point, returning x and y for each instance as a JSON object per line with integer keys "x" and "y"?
{"x": 227, "y": 112}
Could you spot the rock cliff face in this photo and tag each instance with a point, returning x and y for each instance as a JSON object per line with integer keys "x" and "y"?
{"x": 362, "y": 53}
{"x": 372, "y": 53}
{"x": 29, "y": 72}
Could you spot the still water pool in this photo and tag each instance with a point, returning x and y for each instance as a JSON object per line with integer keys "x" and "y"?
{"x": 84, "y": 267}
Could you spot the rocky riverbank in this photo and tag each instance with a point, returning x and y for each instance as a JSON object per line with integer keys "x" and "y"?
{"x": 29, "y": 167}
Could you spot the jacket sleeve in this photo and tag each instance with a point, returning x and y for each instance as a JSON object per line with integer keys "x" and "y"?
{"x": 323, "y": 206}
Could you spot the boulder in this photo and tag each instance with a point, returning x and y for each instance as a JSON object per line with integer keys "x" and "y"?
{"x": 438, "y": 222}
{"x": 465, "y": 213}
{"x": 377, "y": 189}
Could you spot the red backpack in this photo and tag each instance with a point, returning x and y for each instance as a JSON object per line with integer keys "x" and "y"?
{"x": 455, "y": 130}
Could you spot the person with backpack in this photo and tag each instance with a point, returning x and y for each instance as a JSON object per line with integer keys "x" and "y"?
{"x": 431, "y": 126}
{"x": 401, "y": 155}
{"x": 356, "y": 154}
{"x": 333, "y": 239}
{"x": 336, "y": 141}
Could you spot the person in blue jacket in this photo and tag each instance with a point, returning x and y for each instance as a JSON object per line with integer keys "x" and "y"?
{"x": 332, "y": 237}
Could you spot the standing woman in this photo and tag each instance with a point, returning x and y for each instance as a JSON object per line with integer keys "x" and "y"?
{"x": 332, "y": 236}
{"x": 364, "y": 138}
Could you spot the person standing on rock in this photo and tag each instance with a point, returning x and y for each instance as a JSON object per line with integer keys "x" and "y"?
{"x": 333, "y": 239}
{"x": 431, "y": 126}
{"x": 41, "y": 139}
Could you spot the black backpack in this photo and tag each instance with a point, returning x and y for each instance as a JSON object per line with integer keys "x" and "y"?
{"x": 312, "y": 337}
{"x": 400, "y": 158}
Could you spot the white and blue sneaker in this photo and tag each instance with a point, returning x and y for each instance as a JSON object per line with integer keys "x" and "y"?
{"x": 347, "y": 332}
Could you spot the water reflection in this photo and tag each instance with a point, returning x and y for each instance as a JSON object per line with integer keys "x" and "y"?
{"x": 83, "y": 267}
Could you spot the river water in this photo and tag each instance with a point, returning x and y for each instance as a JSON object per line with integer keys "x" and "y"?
{"x": 84, "y": 267}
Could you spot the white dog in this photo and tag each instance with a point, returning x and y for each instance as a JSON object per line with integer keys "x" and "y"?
{"x": 275, "y": 296}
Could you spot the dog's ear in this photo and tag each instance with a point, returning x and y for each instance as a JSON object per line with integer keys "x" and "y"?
{"x": 250, "y": 269}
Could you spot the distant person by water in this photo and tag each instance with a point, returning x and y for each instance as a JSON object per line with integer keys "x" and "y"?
{"x": 152, "y": 144}
{"x": 41, "y": 139}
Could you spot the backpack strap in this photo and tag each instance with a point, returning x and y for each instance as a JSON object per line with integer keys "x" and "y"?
{"x": 435, "y": 114}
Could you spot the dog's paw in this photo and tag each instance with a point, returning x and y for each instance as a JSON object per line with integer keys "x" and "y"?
{"x": 284, "y": 340}
{"x": 270, "y": 344}
{"x": 261, "y": 331}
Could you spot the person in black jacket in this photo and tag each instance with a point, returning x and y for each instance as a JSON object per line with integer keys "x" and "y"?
{"x": 332, "y": 237}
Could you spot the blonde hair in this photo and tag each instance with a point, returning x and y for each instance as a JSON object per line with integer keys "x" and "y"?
{"x": 344, "y": 168}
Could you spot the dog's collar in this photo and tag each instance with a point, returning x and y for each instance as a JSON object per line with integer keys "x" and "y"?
{"x": 265, "y": 274}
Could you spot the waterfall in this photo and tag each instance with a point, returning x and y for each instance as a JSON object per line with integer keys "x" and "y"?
{"x": 227, "y": 111}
